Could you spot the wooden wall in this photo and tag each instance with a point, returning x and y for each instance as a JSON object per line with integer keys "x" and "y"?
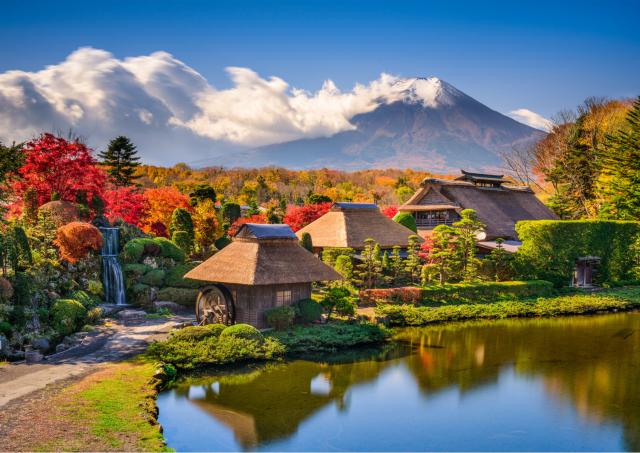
{"x": 252, "y": 301}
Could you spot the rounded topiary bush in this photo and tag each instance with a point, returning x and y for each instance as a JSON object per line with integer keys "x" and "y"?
{"x": 216, "y": 329}
{"x": 308, "y": 311}
{"x": 182, "y": 296}
{"x": 192, "y": 333}
{"x": 136, "y": 270}
{"x": 67, "y": 315}
{"x": 154, "y": 277}
{"x": 280, "y": 318}
{"x": 170, "y": 250}
{"x": 242, "y": 331}
{"x": 406, "y": 219}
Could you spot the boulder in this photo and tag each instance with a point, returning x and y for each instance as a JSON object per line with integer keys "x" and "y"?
{"x": 166, "y": 304}
{"x": 41, "y": 344}
{"x": 33, "y": 357}
{"x": 61, "y": 347}
{"x": 132, "y": 315}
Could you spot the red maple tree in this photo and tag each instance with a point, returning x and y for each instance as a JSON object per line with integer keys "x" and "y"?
{"x": 54, "y": 165}
{"x": 162, "y": 202}
{"x": 300, "y": 216}
{"x": 256, "y": 218}
{"x": 390, "y": 211}
{"x": 127, "y": 203}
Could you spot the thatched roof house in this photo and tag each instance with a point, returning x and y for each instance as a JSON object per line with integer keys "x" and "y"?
{"x": 264, "y": 267}
{"x": 499, "y": 206}
{"x": 349, "y": 224}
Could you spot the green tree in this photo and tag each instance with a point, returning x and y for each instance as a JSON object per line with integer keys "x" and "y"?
{"x": 620, "y": 158}
{"x": 200, "y": 193}
{"x": 413, "y": 262}
{"x": 11, "y": 159}
{"x": 121, "y": 161}
{"x": 316, "y": 198}
{"x": 467, "y": 229}
{"x": 306, "y": 242}
{"x": 181, "y": 221}
{"x": 396, "y": 265}
{"x": 338, "y": 299}
{"x": 182, "y": 240}
{"x": 406, "y": 219}
{"x": 231, "y": 212}
{"x": 369, "y": 270}
{"x": 344, "y": 267}
{"x": 443, "y": 254}
{"x": 500, "y": 262}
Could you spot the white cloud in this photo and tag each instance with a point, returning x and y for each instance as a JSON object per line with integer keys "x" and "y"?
{"x": 532, "y": 119}
{"x": 173, "y": 113}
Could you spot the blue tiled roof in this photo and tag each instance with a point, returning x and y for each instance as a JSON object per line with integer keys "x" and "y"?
{"x": 262, "y": 231}
{"x": 345, "y": 205}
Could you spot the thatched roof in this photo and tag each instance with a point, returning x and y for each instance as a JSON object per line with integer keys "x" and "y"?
{"x": 349, "y": 224}
{"x": 499, "y": 208}
{"x": 263, "y": 255}
{"x": 61, "y": 211}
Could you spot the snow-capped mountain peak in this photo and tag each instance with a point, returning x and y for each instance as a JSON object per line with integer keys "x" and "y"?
{"x": 430, "y": 92}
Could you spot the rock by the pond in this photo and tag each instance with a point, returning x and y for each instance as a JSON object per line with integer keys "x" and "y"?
{"x": 132, "y": 315}
{"x": 41, "y": 344}
{"x": 33, "y": 356}
{"x": 166, "y": 304}
{"x": 61, "y": 347}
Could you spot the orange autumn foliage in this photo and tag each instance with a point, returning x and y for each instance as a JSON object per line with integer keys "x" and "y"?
{"x": 76, "y": 239}
{"x": 162, "y": 202}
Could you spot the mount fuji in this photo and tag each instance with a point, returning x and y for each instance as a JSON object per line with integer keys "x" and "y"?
{"x": 424, "y": 123}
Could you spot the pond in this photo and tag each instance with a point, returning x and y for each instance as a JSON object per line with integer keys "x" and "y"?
{"x": 562, "y": 384}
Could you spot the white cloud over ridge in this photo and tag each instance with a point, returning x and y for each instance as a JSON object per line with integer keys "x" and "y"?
{"x": 532, "y": 119}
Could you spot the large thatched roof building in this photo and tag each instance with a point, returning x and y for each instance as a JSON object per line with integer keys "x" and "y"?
{"x": 350, "y": 224}
{"x": 499, "y": 206}
{"x": 264, "y": 267}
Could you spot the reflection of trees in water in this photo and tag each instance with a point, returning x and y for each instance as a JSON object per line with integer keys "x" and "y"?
{"x": 592, "y": 361}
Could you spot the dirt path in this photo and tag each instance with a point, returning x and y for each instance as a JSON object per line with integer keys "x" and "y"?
{"x": 112, "y": 344}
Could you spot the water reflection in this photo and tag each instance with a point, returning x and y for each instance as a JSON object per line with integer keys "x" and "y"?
{"x": 554, "y": 384}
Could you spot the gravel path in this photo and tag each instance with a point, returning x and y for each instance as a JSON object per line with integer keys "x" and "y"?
{"x": 109, "y": 344}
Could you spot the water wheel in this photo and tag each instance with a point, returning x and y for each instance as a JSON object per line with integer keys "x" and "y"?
{"x": 215, "y": 306}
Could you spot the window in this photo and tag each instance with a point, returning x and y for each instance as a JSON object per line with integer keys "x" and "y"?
{"x": 433, "y": 218}
{"x": 283, "y": 297}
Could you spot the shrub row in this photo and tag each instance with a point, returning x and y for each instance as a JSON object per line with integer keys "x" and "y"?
{"x": 410, "y": 315}
{"x": 457, "y": 293}
{"x": 305, "y": 311}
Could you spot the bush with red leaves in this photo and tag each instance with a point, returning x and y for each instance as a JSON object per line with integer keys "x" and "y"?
{"x": 76, "y": 239}
{"x": 390, "y": 211}
{"x": 299, "y": 217}
{"x": 126, "y": 203}
{"x": 256, "y": 218}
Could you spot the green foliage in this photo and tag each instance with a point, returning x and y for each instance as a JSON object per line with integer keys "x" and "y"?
{"x": 82, "y": 297}
{"x": 280, "y": 318}
{"x": 182, "y": 296}
{"x": 216, "y": 328}
{"x": 396, "y": 266}
{"x": 409, "y": 315}
{"x": 11, "y": 159}
{"x": 133, "y": 250}
{"x": 306, "y": 242}
{"x": 406, "y": 219}
{"x": 308, "y": 311}
{"x": 620, "y": 158}
{"x": 136, "y": 270}
{"x": 67, "y": 315}
{"x": 244, "y": 331}
{"x": 222, "y": 242}
{"x": 170, "y": 250}
{"x": 121, "y": 161}
{"x": 485, "y": 292}
{"x": 193, "y": 333}
{"x": 467, "y": 229}
{"x": 550, "y": 248}
{"x": 329, "y": 337}
{"x": 175, "y": 277}
{"x": 369, "y": 268}
{"x": 182, "y": 240}
{"x": 316, "y": 198}
{"x": 443, "y": 255}
{"x": 5, "y": 328}
{"x": 95, "y": 288}
{"x": 499, "y": 263}
{"x": 181, "y": 221}
{"x": 200, "y": 193}
{"x": 344, "y": 267}
{"x": 155, "y": 277}
{"x": 94, "y": 314}
{"x": 331, "y": 254}
{"x": 213, "y": 350}
{"x": 338, "y": 300}
{"x": 231, "y": 212}
{"x": 413, "y": 262}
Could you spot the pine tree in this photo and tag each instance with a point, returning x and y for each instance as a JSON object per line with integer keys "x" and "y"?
{"x": 181, "y": 221}
{"x": 620, "y": 158}
{"x": 121, "y": 160}
{"x": 397, "y": 266}
{"x": 500, "y": 261}
{"x": 344, "y": 267}
{"x": 306, "y": 242}
{"x": 467, "y": 229}
{"x": 443, "y": 254}
{"x": 413, "y": 262}
{"x": 369, "y": 270}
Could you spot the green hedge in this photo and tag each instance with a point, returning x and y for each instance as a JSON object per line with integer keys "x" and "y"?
{"x": 409, "y": 315}
{"x": 175, "y": 277}
{"x": 550, "y": 248}
{"x": 134, "y": 250}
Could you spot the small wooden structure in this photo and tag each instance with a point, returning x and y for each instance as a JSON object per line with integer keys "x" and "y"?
{"x": 264, "y": 267}
{"x": 350, "y": 224}
{"x": 583, "y": 274}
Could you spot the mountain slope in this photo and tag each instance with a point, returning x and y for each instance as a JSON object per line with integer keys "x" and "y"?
{"x": 426, "y": 124}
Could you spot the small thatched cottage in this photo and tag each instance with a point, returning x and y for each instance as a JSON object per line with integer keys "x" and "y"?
{"x": 499, "y": 205}
{"x": 350, "y": 224}
{"x": 264, "y": 267}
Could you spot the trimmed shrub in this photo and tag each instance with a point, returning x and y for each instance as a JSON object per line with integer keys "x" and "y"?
{"x": 406, "y": 219}
{"x": 306, "y": 242}
{"x": 330, "y": 254}
{"x": 280, "y": 318}
{"x": 192, "y": 333}
{"x": 550, "y": 248}
{"x": 94, "y": 315}
{"x": 139, "y": 288}
{"x": 175, "y": 277}
{"x": 170, "y": 250}
{"x": 76, "y": 239}
{"x": 154, "y": 277}
{"x": 95, "y": 288}
{"x": 182, "y": 296}
{"x": 308, "y": 311}
{"x": 216, "y": 328}
{"x": 82, "y": 297}
{"x": 136, "y": 270}
{"x": 182, "y": 240}
{"x": 242, "y": 331}
{"x": 67, "y": 315}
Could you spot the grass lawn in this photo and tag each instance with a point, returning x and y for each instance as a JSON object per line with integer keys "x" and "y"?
{"x": 112, "y": 409}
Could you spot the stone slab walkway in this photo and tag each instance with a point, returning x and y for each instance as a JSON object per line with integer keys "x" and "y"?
{"x": 112, "y": 344}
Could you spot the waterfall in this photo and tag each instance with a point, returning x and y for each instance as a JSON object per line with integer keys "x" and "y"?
{"x": 112, "y": 278}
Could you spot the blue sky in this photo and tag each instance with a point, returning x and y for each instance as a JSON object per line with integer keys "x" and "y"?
{"x": 543, "y": 56}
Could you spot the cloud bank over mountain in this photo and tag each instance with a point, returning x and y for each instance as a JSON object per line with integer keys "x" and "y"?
{"x": 174, "y": 114}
